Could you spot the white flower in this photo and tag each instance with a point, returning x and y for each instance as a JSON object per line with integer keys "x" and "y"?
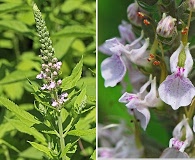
{"x": 177, "y": 90}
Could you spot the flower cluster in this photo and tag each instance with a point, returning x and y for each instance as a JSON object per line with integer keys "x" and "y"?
{"x": 50, "y": 66}
{"x": 115, "y": 143}
{"x": 164, "y": 58}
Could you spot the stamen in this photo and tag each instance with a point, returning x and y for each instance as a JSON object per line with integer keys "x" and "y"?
{"x": 156, "y": 63}
{"x": 146, "y": 22}
{"x": 140, "y": 14}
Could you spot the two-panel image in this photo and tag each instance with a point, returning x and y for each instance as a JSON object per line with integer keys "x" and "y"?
{"x": 97, "y": 79}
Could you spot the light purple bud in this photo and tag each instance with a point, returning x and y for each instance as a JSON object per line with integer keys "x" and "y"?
{"x": 191, "y": 4}
{"x": 50, "y": 64}
{"x": 64, "y": 94}
{"x": 55, "y": 73}
{"x": 39, "y": 76}
{"x": 54, "y": 104}
{"x": 47, "y": 70}
{"x": 59, "y": 82}
{"x": 52, "y": 85}
{"x": 54, "y": 60}
{"x": 166, "y": 26}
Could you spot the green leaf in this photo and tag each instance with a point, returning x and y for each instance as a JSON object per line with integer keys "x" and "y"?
{"x": 17, "y": 75}
{"x": 4, "y": 128}
{"x": 93, "y": 156}
{"x": 76, "y": 31}
{"x": 80, "y": 101}
{"x": 68, "y": 147}
{"x": 70, "y": 81}
{"x": 70, "y": 5}
{"x": 9, "y": 88}
{"x": 5, "y": 7}
{"x": 14, "y": 25}
{"x": 80, "y": 133}
{"x": 22, "y": 127}
{"x": 42, "y": 148}
{"x": 62, "y": 46}
{"x": 21, "y": 114}
{"x": 9, "y": 145}
{"x": 90, "y": 84}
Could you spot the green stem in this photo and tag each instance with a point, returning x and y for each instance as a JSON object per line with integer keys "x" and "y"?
{"x": 154, "y": 46}
{"x": 62, "y": 141}
{"x": 185, "y": 36}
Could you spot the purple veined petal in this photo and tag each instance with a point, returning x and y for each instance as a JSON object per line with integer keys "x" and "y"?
{"x": 139, "y": 56}
{"x": 126, "y": 33}
{"x": 174, "y": 58}
{"x": 113, "y": 70}
{"x": 176, "y": 91}
{"x": 188, "y": 62}
{"x": 127, "y": 97}
{"x": 143, "y": 115}
{"x": 110, "y": 43}
{"x": 194, "y": 123}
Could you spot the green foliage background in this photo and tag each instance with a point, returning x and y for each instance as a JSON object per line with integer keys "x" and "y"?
{"x": 72, "y": 27}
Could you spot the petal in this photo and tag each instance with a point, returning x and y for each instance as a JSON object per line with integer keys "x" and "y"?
{"x": 127, "y": 97}
{"x": 143, "y": 115}
{"x": 139, "y": 56}
{"x": 176, "y": 91}
{"x": 188, "y": 62}
{"x": 142, "y": 93}
{"x": 113, "y": 70}
{"x": 151, "y": 98}
{"x": 173, "y": 153}
{"x": 110, "y": 43}
{"x": 174, "y": 58}
{"x": 178, "y": 128}
{"x": 126, "y": 33}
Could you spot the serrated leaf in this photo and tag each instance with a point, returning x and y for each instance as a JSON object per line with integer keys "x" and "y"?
{"x": 80, "y": 101}
{"x": 17, "y": 75}
{"x": 42, "y": 148}
{"x": 20, "y": 126}
{"x": 76, "y": 31}
{"x": 21, "y": 114}
{"x": 80, "y": 133}
{"x": 90, "y": 84}
{"x": 70, "y": 81}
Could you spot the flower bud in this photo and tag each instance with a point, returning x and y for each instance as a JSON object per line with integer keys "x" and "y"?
{"x": 191, "y": 4}
{"x": 132, "y": 14}
{"x": 166, "y": 27}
